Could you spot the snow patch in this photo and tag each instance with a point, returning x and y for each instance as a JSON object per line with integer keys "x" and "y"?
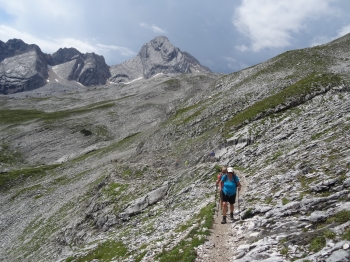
{"x": 157, "y": 74}
{"x": 133, "y": 80}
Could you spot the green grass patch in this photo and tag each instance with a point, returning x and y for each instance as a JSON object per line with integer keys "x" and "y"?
{"x": 317, "y": 244}
{"x": 340, "y": 217}
{"x": 26, "y": 190}
{"x": 285, "y": 201}
{"x": 184, "y": 251}
{"x": 248, "y": 214}
{"x": 8, "y": 156}
{"x": 122, "y": 144}
{"x": 14, "y": 116}
{"x": 268, "y": 200}
{"x": 346, "y": 234}
{"x": 107, "y": 251}
{"x": 114, "y": 190}
{"x": 10, "y": 178}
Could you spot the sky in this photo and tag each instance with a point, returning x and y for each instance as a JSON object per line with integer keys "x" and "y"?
{"x": 226, "y": 35}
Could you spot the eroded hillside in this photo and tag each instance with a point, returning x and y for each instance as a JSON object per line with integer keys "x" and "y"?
{"x": 123, "y": 173}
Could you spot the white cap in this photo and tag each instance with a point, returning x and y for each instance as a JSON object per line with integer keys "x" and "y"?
{"x": 230, "y": 170}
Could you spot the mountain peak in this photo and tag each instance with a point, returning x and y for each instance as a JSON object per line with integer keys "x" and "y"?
{"x": 157, "y": 56}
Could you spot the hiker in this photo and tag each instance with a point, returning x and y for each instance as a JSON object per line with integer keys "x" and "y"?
{"x": 219, "y": 184}
{"x": 229, "y": 188}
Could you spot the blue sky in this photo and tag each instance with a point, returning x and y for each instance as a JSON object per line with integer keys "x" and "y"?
{"x": 224, "y": 35}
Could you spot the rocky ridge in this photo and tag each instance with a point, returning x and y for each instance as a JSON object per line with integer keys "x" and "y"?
{"x": 25, "y": 67}
{"x": 22, "y": 67}
{"x": 159, "y": 56}
{"x": 71, "y": 156}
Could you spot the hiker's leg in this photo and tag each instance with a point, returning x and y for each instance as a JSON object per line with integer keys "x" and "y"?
{"x": 224, "y": 210}
{"x": 231, "y": 208}
{"x": 231, "y": 201}
{"x": 224, "y": 213}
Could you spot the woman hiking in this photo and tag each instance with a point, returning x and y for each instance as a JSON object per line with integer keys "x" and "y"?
{"x": 219, "y": 184}
{"x": 229, "y": 188}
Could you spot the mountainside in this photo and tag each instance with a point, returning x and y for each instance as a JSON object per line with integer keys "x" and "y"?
{"x": 22, "y": 67}
{"x": 25, "y": 67}
{"x": 156, "y": 57}
{"x": 127, "y": 173}
{"x": 88, "y": 69}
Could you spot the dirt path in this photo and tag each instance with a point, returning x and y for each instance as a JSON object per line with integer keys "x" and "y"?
{"x": 219, "y": 248}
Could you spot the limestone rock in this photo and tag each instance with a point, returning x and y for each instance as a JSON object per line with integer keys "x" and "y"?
{"x": 23, "y": 72}
{"x": 156, "y": 57}
{"x": 88, "y": 69}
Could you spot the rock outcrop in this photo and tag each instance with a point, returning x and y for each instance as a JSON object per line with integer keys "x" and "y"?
{"x": 22, "y": 67}
{"x": 25, "y": 67}
{"x": 88, "y": 69}
{"x": 155, "y": 57}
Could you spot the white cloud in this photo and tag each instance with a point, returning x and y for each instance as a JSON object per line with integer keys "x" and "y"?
{"x": 123, "y": 50}
{"x": 270, "y": 23}
{"x": 52, "y": 45}
{"x": 345, "y": 30}
{"x": 242, "y": 48}
{"x": 320, "y": 40}
{"x": 153, "y": 27}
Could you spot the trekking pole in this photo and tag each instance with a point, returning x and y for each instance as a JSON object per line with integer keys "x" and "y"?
{"x": 218, "y": 209}
{"x": 239, "y": 210}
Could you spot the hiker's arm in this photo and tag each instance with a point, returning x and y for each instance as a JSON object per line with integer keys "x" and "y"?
{"x": 239, "y": 186}
{"x": 218, "y": 181}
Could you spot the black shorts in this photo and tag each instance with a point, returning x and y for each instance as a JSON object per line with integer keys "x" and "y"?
{"x": 221, "y": 194}
{"x": 230, "y": 199}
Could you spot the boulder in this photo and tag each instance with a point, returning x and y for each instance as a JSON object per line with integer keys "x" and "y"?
{"x": 138, "y": 205}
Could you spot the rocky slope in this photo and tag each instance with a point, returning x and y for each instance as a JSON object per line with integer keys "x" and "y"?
{"x": 159, "y": 56}
{"x": 124, "y": 174}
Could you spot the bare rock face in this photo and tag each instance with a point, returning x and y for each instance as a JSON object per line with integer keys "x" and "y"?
{"x": 87, "y": 69}
{"x": 23, "y": 67}
{"x": 158, "y": 56}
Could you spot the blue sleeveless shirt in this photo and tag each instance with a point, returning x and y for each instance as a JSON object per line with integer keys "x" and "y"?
{"x": 229, "y": 188}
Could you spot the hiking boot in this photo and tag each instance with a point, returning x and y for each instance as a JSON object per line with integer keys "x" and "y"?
{"x": 231, "y": 216}
{"x": 223, "y": 220}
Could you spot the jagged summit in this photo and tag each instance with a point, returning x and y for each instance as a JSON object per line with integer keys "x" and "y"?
{"x": 157, "y": 56}
{"x": 28, "y": 65}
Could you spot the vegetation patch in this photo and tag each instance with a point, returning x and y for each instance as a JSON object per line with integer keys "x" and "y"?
{"x": 122, "y": 144}
{"x": 114, "y": 190}
{"x": 294, "y": 94}
{"x": 340, "y": 217}
{"x": 10, "y": 178}
{"x": 317, "y": 244}
{"x": 14, "y": 116}
{"x": 184, "y": 251}
{"x": 26, "y": 190}
{"x": 8, "y": 156}
{"x": 107, "y": 251}
{"x": 248, "y": 214}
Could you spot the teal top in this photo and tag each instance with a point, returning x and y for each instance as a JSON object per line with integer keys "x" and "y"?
{"x": 230, "y": 187}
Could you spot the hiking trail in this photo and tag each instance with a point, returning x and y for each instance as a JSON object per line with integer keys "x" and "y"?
{"x": 221, "y": 243}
